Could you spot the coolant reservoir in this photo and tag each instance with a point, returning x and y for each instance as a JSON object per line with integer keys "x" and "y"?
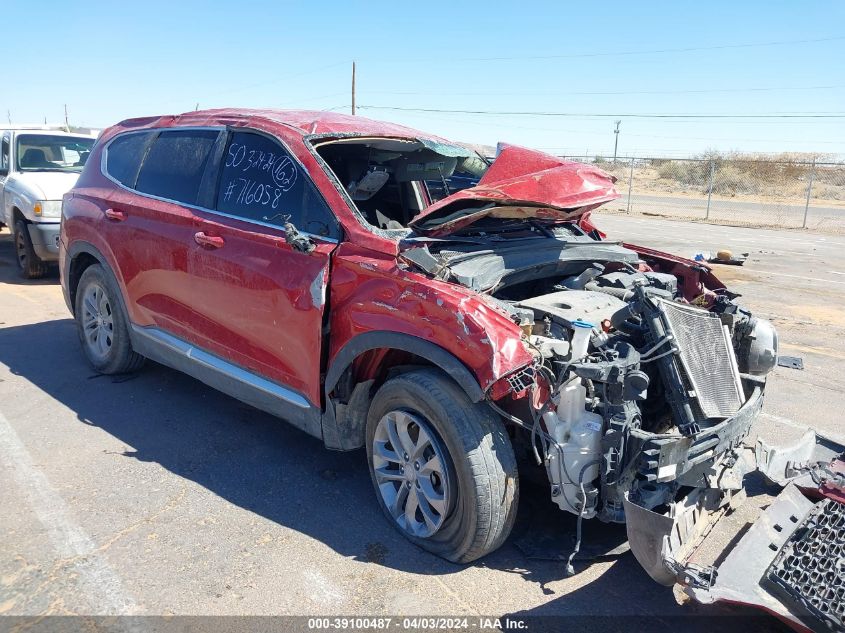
{"x": 572, "y": 396}
{"x": 577, "y": 434}
{"x": 584, "y": 446}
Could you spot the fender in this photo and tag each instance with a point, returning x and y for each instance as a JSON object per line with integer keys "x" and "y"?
{"x": 77, "y": 248}
{"x": 346, "y": 434}
{"x": 406, "y": 343}
{"x": 106, "y": 260}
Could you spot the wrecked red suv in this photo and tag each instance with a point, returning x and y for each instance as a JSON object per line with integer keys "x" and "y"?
{"x": 295, "y": 261}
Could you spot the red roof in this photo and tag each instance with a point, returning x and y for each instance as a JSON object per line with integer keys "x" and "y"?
{"x": 305, "y": 121}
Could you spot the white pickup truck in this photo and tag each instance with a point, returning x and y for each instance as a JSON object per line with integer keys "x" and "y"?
{"x": 37, "y": 167}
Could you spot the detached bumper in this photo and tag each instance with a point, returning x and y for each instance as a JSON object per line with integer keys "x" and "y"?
{"x": 45, "y": 240}
{"x": 791, "y": 562}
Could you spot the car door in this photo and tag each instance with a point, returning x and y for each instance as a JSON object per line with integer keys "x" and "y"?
{"x": 148, "y": 220}
{"x": 258, "y": 294}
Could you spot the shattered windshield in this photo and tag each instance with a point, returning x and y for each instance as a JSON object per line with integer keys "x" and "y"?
{"x": 389, "y": 179}
{"x": 45, "y": 152}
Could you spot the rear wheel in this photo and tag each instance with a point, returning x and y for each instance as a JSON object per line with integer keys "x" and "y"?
{"x": 29, "y": 264}
{"x": 442, "y": 466}
{"x": 102, "y": 324}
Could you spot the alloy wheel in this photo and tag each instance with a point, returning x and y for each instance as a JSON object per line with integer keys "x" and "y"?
{"x": 410, "y": 468}
{"x": 97, "y": 321}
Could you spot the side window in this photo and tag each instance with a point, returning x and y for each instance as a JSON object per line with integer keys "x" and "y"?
{"x": 123, "y": 157}
{"x": 261, "y": 181}
{"x": 175, "y": 164}
{"x": 4, "y": 154}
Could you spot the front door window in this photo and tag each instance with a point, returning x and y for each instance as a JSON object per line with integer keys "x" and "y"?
{"x": 262, "y": 182}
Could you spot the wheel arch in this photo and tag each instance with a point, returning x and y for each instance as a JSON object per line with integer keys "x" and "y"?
{"x": 345, "y": 413}
{"x": 17, "y": 214}
{"x": 80, "y": 256}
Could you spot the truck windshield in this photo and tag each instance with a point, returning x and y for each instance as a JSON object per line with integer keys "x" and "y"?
{"x": 45, "y": 152}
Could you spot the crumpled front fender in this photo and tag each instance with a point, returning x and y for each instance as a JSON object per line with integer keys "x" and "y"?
{"x": 371, "y": 292}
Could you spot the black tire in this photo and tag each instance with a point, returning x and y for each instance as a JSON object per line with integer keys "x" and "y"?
{"x": 29, "y": 264}
{"x": 118, "y": 356}
{"x": 481, "y": 463}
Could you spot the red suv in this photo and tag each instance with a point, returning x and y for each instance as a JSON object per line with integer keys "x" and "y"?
{"x": 295, "y": 261}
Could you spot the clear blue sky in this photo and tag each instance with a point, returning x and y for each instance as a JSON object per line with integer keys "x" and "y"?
{"x": 113, "y": 60}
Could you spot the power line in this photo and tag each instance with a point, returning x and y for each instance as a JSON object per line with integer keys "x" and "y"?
{"x": 723, "y": 138}
{"x": 598, "y": 131}
{"x": 208, "y": 96}
{"x": 310, "y": 99}
{"x": 791, "y": 115}
{"x": 278, "y": 78}
{"x": 610, "y": 92}
{"x": 658, "y": 51}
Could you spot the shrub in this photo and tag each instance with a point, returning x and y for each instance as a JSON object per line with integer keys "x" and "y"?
{"x": 686, "y": 172}
{"x": 728, "y": 179}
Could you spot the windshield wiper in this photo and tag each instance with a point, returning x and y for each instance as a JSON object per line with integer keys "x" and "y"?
{"x": 542, "y": 228}
{"x": 498, "y": 233}
{"x": 447, "y": 239}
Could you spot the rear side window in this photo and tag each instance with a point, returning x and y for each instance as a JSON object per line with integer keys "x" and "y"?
{"x": 175, "y": 164}
{"x": 261, "y": 181}
{"x": 124, "y": 156}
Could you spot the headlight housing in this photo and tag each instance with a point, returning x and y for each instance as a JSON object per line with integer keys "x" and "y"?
{"x": 51, "y": 209}
{"x": 759, "y": 348}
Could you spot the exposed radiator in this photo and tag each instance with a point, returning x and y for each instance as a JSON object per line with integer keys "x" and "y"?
{"x": 707, "y": 358}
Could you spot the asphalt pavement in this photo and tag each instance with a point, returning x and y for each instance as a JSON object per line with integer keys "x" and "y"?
{"x": 764, "y": 211}
{"x": 154, "y": 494}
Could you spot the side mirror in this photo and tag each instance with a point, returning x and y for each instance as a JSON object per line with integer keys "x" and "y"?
{"x": 300, "y": 242}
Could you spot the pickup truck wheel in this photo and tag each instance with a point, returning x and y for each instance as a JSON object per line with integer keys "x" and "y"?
{"x": 442, "y": 466}
{"x": 29, "y": 264}
{"x": 102, "y": 324}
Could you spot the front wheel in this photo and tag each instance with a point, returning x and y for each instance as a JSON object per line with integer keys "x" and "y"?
{"x": 442, "y": 466}
{"x": 30, "y": 264}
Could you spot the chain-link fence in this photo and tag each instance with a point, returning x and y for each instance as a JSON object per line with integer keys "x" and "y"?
{"x": 727, "y": 190}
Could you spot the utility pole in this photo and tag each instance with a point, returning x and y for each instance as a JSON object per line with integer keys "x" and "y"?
{"x": 67, "y": 125}
{"x": 353, "y": 88}
{"x": 616, "y": 142}
{"x": 9, "y": 116}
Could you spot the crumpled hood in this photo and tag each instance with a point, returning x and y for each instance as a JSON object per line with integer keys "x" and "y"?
{"x": 521, "y": 183}
{"x": 46, "y": 185}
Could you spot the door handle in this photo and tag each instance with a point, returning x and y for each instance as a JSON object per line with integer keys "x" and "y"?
{"x": 115, "y": 215}
{"x": 209, "y": 241}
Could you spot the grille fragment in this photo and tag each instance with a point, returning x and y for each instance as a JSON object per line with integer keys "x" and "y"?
{"x": 810, "y": 568}
{"x": 707, "y": 358}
